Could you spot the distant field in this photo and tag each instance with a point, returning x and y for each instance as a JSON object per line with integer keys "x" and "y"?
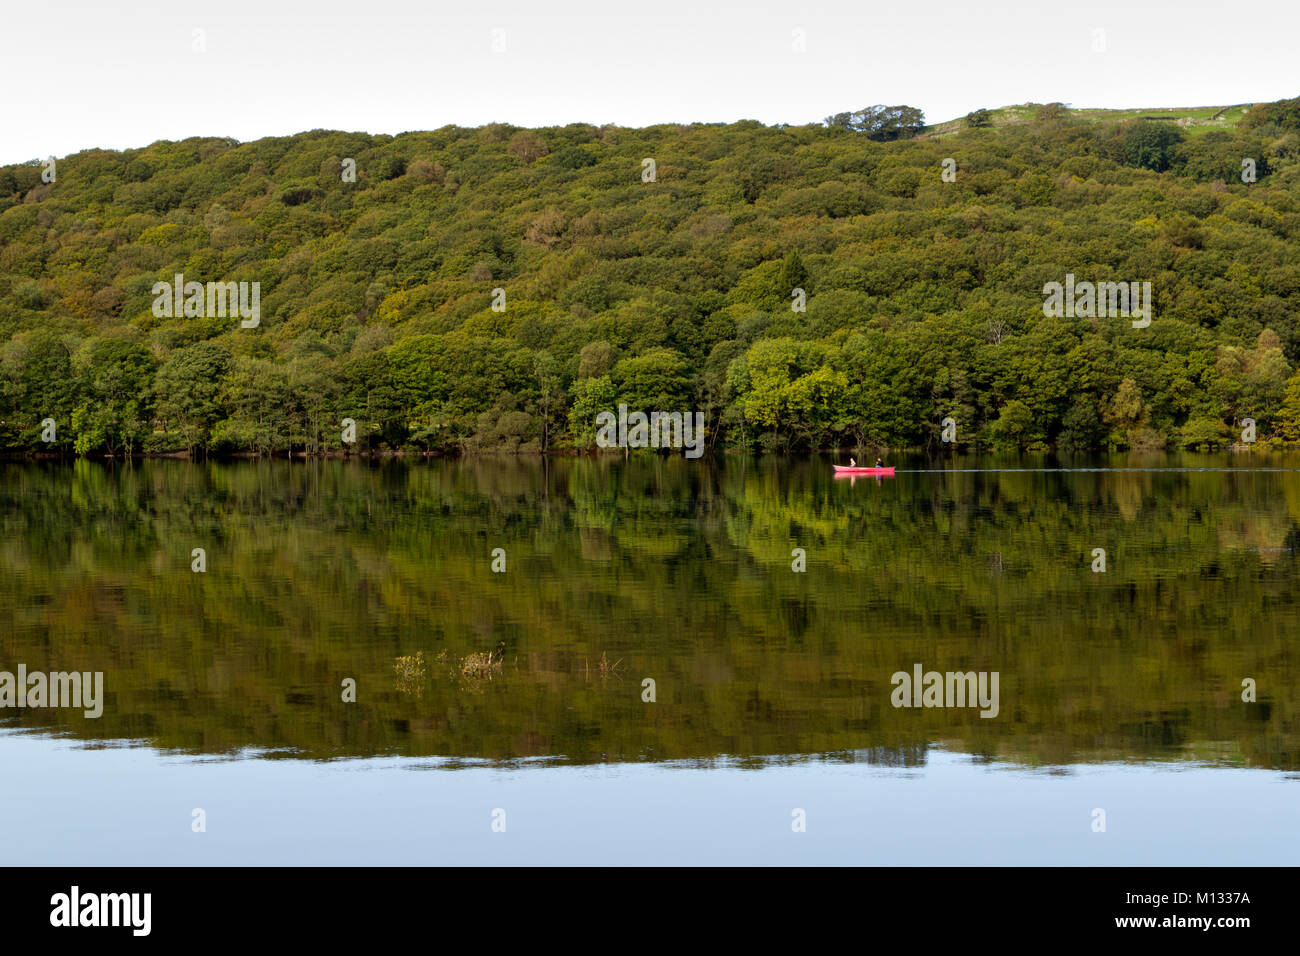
{"x": 1193, "y": 119}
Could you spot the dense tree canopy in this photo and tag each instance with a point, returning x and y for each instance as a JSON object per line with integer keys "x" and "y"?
{"x": 881, "y": 123}
{"x": 495, "y": 288}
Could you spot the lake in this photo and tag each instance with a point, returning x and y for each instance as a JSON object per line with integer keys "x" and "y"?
{"x": 704, "y": 661}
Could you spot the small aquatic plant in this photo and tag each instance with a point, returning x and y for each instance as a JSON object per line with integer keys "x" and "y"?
{"x": 410, "y": 674}
{"x": 604, "y": 667}
{"x": 484, "y": 664}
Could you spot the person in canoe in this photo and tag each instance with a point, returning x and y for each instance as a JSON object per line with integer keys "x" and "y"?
{"x": 879, "y": 463}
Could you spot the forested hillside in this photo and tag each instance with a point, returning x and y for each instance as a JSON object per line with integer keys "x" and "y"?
{"x": 468, "y": 290}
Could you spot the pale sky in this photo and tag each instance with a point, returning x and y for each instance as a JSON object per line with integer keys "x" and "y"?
{"x": 91, "y": 73}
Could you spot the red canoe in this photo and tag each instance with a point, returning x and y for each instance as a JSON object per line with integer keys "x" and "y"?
{"x": 859, "y": 470}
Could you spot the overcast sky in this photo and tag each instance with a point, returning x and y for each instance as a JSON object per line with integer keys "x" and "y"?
{"x": 91, "y": 73}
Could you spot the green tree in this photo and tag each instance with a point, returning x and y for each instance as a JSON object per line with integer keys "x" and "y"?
{"x": 1287, "y": 421}
{"x": 115, "y": 379}
{"x": 1150, "y": 144}
{"x": 1014, "y": 427}
{"x": 590, "y": 397}
{"x": 882, "y": 123}
{"x": 188, "y": 391}
{"x": 550, "y": 393}
{"x": 596, "y": 359}
{"x": 658, "y": 380}
{"x": 38, "y": 383}
{"x": 793, "y": 274}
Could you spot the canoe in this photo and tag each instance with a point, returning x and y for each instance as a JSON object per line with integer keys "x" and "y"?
{"x": 859, "y": 470}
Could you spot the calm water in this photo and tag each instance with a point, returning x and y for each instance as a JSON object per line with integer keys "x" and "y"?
{"x": 1119, "y": 690}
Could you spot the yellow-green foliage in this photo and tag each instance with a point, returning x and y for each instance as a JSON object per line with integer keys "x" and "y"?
{"x": 924, "y": 297}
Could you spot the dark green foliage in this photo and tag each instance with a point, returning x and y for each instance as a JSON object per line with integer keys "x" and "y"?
{"x": 296, "y": 197}
{"x": 1218, "y": 155}
{"x": 574, "y": 158}
{"x": 881, "y": 123}
{"x": 793, "y": 273}
{"x": 1150, "y": 144}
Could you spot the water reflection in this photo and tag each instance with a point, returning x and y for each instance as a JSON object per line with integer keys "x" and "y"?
{"x": 622, "y": 571}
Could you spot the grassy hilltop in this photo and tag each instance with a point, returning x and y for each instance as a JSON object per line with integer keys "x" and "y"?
{"x": 924, "y": 297}
{"x": 1192, "y": 121}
